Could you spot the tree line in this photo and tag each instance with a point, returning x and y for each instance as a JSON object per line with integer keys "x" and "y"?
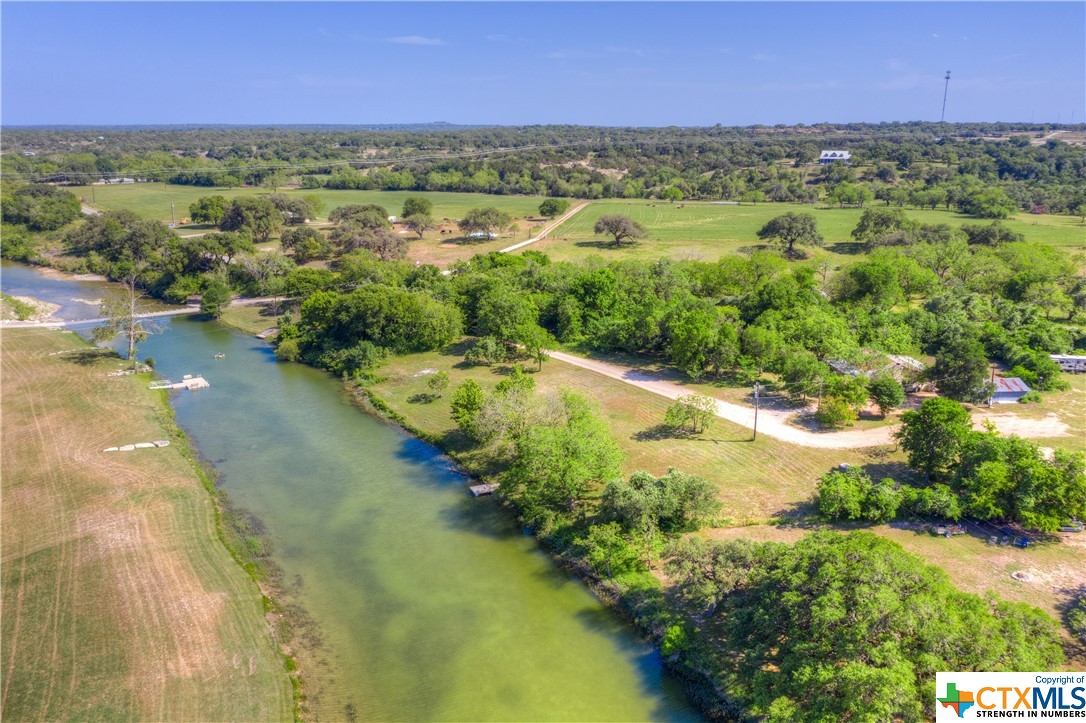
{"x": 904, "y": 163}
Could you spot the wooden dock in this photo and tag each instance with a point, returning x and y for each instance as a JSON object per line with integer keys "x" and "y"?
{"x": 480, "y": 490}
{"x": 187, "y": 382}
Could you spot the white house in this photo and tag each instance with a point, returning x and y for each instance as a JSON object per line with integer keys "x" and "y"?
{"x": 832, "y": 156}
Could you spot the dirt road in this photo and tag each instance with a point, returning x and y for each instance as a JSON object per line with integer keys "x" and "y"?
{"x": 773, "y": 423}
{"x": 546, "y": 229}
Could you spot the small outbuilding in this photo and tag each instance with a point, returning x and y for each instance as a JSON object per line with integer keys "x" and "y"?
{"x": 1009, "y": 389}
{"x": 827, "y": 157}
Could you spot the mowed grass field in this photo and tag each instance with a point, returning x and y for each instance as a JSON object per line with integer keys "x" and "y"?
{"x": 705, "y": 231}
{"x": 120, "y": 601}
{"x": 152, "y": 200}
{"x": 756, "y": 481}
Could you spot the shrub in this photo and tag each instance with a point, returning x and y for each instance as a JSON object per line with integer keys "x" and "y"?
{"x": 841, "y": 494}
{"x": 675, "y": 641}
{"x": 882, "y": 501}
{"x": 935, "y": 501}
{"x": 438, "y": 382}
{"x": 1030, "y": 397}
{"x": 287, "y": 350}
{"x": 835, "y": 413}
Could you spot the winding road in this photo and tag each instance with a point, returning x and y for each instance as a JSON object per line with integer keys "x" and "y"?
{"x": 774, "y": 422}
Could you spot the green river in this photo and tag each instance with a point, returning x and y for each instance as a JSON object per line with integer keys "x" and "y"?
{"x": 431, "y": 604}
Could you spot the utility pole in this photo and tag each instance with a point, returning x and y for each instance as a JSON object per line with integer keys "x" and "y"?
{"x": 92, "y": 193}
{"x": 755, "y": 438}
{"x": 946, "y": 87}
{"x": 172, "y": 220}
{"x": 993, "y": 388}
{"x": 820, "y": 391}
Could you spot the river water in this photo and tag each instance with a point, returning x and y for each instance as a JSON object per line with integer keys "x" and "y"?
{"x": 431, "y": 604}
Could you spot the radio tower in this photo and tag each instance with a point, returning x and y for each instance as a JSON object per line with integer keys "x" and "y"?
{"x": 945, "y": 89}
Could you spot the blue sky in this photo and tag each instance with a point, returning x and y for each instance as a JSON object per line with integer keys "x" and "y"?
{"x": 525, "y": 63}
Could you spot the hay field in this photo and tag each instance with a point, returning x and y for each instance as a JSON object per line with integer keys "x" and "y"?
{"x": 120, "y": 600}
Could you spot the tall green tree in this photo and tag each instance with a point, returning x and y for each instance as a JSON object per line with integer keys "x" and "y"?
{"x": 467, "y": 400}
{"x": 256, "y": 216}
{"x": 619, "y": 228}
{"x": 886, "y": 392}
{"x": 208, "y": 209}
{"x": 961, "y": 369}
{"x": 556, "y": 465}
{"x": 790, "y": 229}
{"x": 486, "y": 221}
{"x": 215, "y": 299}
{"x": 420, "y": 223}
{"x": 648, "y": 505}
{"x": 552, "y": 207}
{"x": 415, "y": 205}
{"x": 607, "y": 550}
{"x": 840, "y": 623}
{"x": 933, "y": 435}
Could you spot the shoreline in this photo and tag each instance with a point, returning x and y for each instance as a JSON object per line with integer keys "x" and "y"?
{"x": 702, "y": 693}
{"x": 230, "y": 526}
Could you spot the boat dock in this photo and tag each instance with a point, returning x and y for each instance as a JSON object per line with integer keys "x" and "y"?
{"x": 480, "y": 490}
{"x": 187, "y": 382}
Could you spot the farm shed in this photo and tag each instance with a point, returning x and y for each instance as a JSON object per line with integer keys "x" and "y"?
{"x": 831, "y": 156}
{"x": 1009, "y": 389}
{"x": 1070, "y": 362}
{"x": 843, "y": 367}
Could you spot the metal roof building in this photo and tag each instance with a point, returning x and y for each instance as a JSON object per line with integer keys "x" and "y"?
{"x": 1009, "y": 389}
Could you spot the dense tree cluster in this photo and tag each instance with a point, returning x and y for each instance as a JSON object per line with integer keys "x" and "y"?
{"x": 976, "y": 473}
{"x": 995, "y": 477}
{"x": 841, "y": 623}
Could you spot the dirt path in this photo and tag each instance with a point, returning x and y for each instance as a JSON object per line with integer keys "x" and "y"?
{"x": 546, "y": 229}
{"x": 773, "y": 423}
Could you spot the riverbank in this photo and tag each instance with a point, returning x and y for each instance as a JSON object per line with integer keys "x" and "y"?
{"x": 121, "y": 599}
{"x": 639, "y": 599}
{"x": 26, "y": 308}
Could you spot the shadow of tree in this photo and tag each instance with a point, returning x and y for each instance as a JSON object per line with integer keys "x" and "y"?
{"x": 655, "y": 434}
{"x": 802, "y": 514}
{"x": 849, "y": 248}
{"x": 87, "y": 357}
{"x": 605, "y": 245}
{"x": 1072, "y": 609}
{"x": 459, "y": 348}
{"x": 423, "y": 398}
{"x": 897, "y": 471}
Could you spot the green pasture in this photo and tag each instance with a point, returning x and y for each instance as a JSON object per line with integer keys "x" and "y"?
{"x": 708, "y": 231}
